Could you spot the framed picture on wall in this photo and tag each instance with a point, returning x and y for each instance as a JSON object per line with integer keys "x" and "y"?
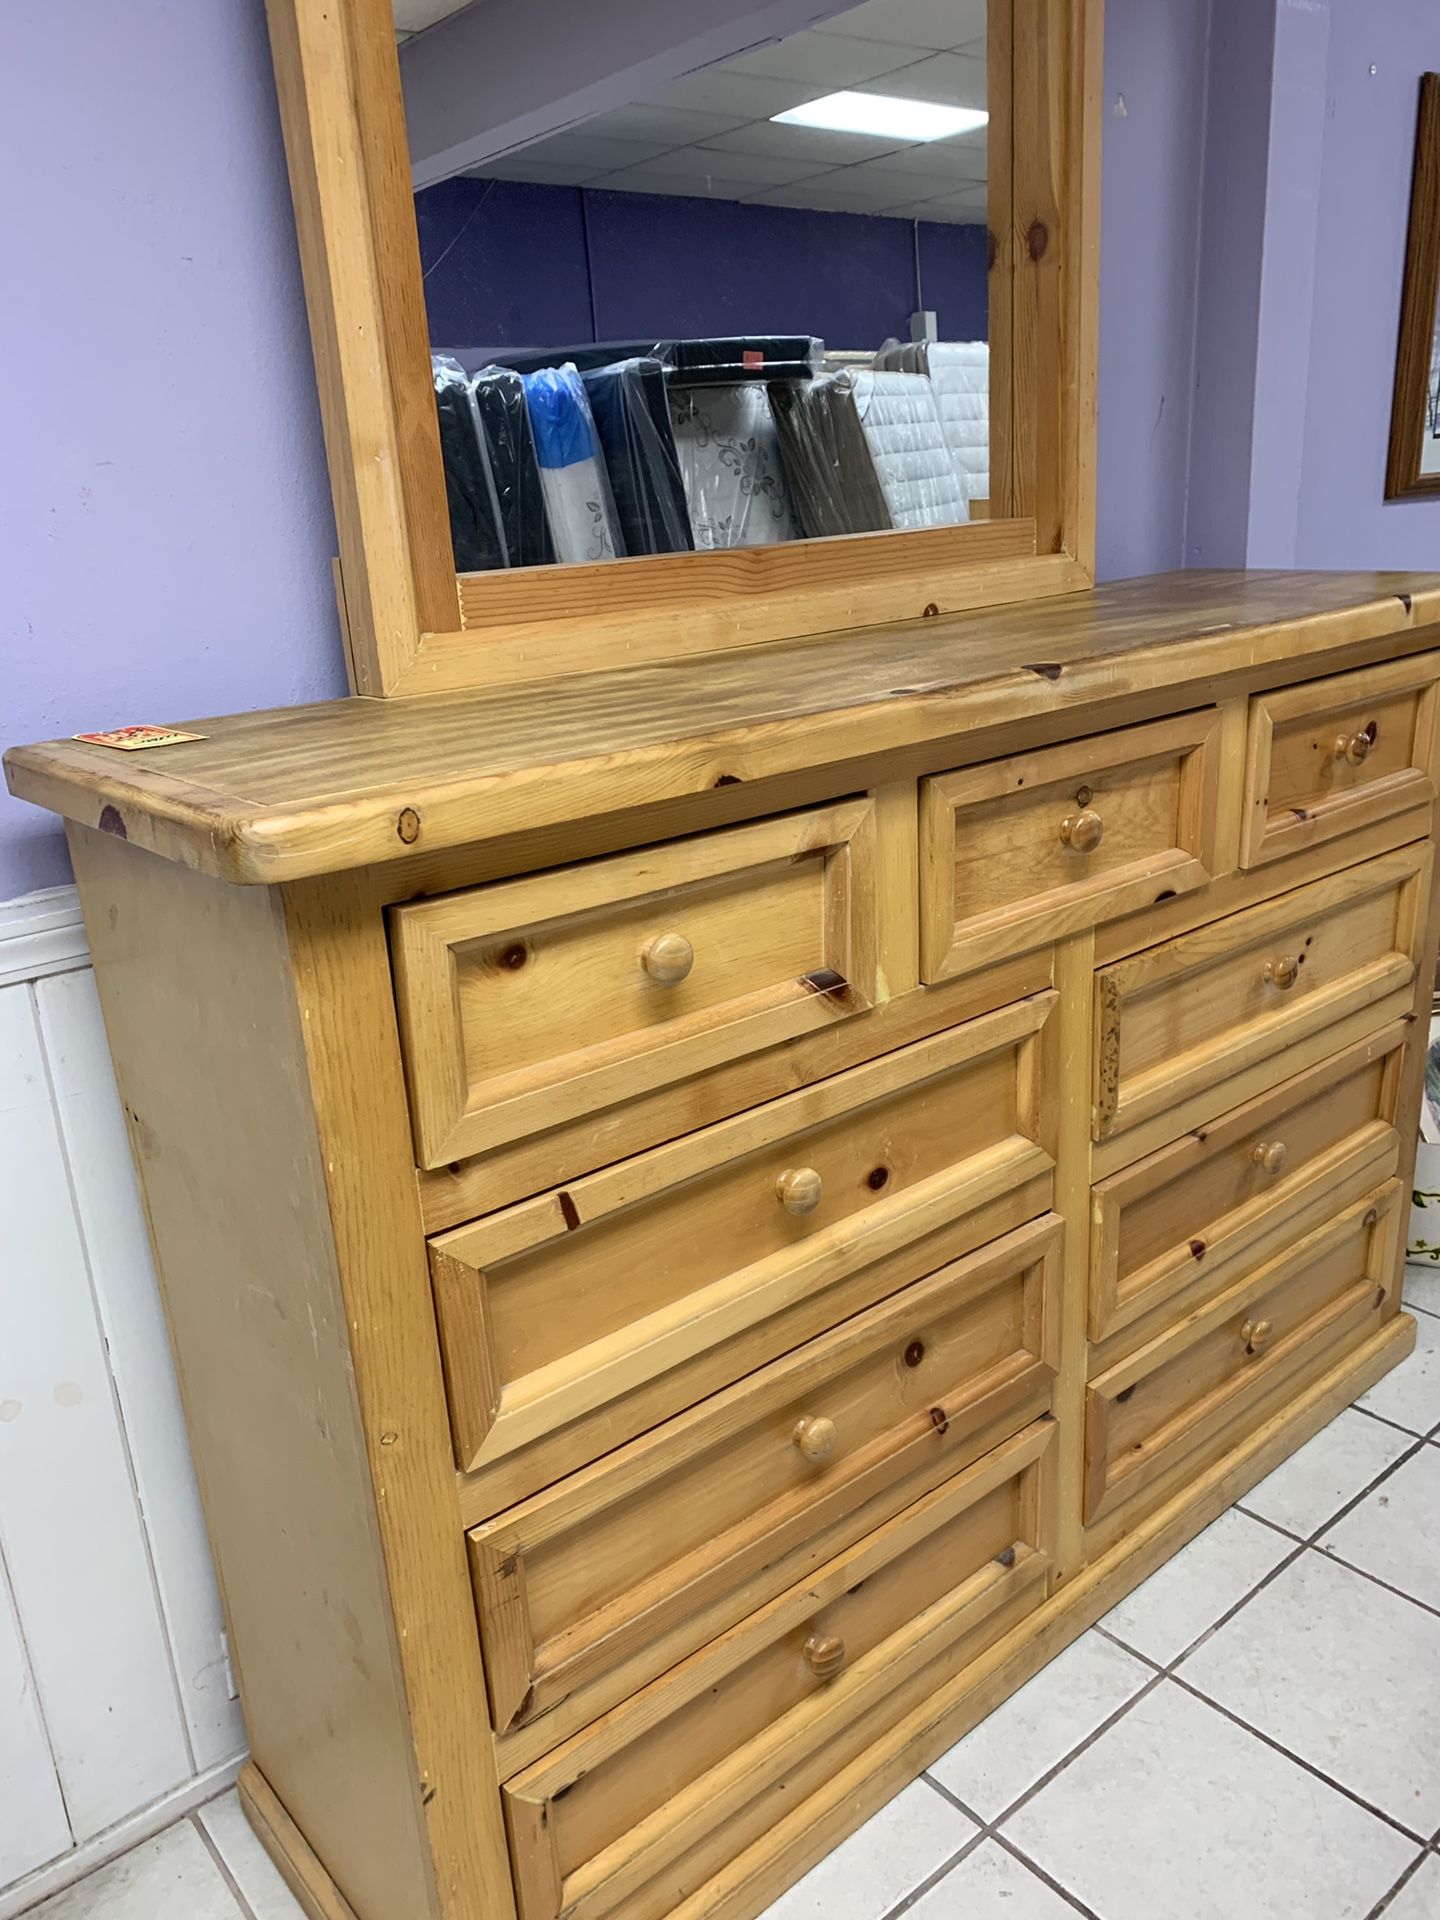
{"x": 1414, "y": 466}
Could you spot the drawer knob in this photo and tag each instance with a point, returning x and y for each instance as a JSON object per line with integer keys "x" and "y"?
{"x": 1270, "y": 1155}
{"x": 815, "y": 1436}
{"x": 1355, "y": 747}
{"x": 668, "y": 958}
{"x": 1083, "y": 831}
{"x": 825, "y": 1655}
{"x": 1255, "y": 1335}
{"x": 799, "y": 1189}
{"x": 1282, "y": 973}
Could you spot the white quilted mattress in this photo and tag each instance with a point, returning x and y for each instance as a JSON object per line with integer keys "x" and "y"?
{"x": 960, "y": 375}
{"x": 912, "y": 457}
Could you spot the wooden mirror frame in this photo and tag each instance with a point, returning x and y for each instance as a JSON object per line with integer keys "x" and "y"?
{"x": 412, "y": 626}
{"x": 1418, "y": 309}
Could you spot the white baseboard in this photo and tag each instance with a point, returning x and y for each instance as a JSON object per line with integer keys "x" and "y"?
{"x": 41, "y": 933}
{"x": 24, "y": 1894}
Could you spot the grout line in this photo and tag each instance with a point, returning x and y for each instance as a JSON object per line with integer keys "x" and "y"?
{"x": 1343, "y": 1513}
{"x": 1387, "y": 1900}
{"x": 247, "y": 1912}
{"x": 1375, "y": 1580}
{"x": 1071, "y": 1899}
{"x": 1274, "y": 1525}
{"x": 931, "y": 1880}
{"x": 954, "y": 1798}
{"x": 1081, "y": 1746}
{"x": 1299, "y": 1759}
{"x": 1355, "y": 1407}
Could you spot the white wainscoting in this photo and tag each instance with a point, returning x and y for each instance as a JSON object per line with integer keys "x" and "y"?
{"x": 116, "y": 1707}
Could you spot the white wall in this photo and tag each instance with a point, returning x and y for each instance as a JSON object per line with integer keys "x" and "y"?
{"x": 116, "y": 1709}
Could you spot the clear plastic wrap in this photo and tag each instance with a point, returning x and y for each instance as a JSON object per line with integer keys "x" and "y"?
{"x": 475, "y": 530}
{"x": 572, "y": 468}
{"x": 498, "y": 395}
{"x": 724, "y": 361}
{"x": 828, "y": 461}
{"x": 901, "y": 422}
{"x": 632, "y": 420}
{"x": 733, "y": 472}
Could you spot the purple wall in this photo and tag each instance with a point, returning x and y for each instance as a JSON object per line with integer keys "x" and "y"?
{"x": 1155, "y": 59}
{"x": 509, "y": 264}
{"x": 1364, "y": 194}
{"x": 164, "y": 502}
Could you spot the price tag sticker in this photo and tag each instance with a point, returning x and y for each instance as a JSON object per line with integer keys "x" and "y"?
{"x": 132, "y": 739}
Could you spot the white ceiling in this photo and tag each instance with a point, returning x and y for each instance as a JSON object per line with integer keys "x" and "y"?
{"x": 710, "y": 134}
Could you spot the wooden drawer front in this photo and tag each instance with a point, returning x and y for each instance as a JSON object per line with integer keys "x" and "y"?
{"x": 1337, "y": 754}
{"x": 1220, "y": 1192}
{"x": 641, "y": 1809}
{"x": 1021, "y": 851}
{"x": 529, "y": 1002}
{"x": 1187, "y": 1389}
{"x": 600, "y": 1582}
{"x": 560, "y": 1307}
{"x": 1188, "y": 1014}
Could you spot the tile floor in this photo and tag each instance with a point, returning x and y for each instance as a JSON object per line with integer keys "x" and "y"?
{"x": 1254, "y": 1734}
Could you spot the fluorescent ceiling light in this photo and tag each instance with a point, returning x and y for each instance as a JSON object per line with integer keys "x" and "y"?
{"x": 884, "y": 114}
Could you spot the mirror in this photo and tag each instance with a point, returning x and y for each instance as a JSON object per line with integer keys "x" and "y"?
{"x": 1414, "y": 463}
{"x": 690, "y": 289}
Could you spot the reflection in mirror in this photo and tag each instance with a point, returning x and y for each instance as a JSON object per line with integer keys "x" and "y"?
{"x": 704, "y": 299}
{"x": 1430, "y": 443}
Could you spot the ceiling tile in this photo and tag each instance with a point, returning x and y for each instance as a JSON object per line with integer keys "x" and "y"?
{"x": 932, "y": 24}
{"x": 825, "y": 61}
{"x": 697, "y": 163}
{"x": 742, "y": 96}
{"x": 816, "y": 144}
{"x": 699, "y": 174}
{"x": 582, "y": 149}
{"x": 947, "y": 165}
{"x": 967, "y": 206}
{"x": 954, "y": 79}
{"x": 840, "y": 188}
{"x": 666, "y": 126}
{"x": 413, "y": 15}
{"x": 527, "y": 166}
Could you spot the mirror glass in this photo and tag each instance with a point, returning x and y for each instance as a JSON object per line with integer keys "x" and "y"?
{"x": 688, "y": 290}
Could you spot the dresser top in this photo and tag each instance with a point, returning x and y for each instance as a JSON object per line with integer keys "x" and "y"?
{"x": 298, "y": 791}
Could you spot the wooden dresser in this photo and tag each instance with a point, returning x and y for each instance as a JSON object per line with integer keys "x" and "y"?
{"x": 715, "y": 1215}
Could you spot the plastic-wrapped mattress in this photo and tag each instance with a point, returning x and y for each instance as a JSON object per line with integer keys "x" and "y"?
{"x": 572, "y": 470}
{"x": 730, "y": 459}
{"x": 725, "y": 360}
{"x": 827, "y": 458}
{"x": 902, "y": 426}
{"x": 632, "y": 419}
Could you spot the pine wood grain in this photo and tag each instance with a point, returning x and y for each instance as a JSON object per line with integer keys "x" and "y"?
{"x": 305, "y": 790}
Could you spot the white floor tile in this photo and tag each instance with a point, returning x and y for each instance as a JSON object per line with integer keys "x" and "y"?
{"x": 1419, "y": 1898}
{"x": 1394, "y": 1533}
{"x": 254, "y": 1872}
{"x": 1410, "y": 1394}
{"x": 991, "y": 1884}
{"x": 1168, "y": 1612}
{"x": 1312, "y": 1485}
{"x": 1175, "y": 1813}
{"x": 1035, "y": 1728}
{"x": 171, "y": 1877}
{"x": 1342, "y": 1673}
{"x": 1422, "y": 1288}
{"x": 888, "y": 1858}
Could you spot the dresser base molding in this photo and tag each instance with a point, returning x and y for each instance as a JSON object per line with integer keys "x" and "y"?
{"x": 743, "y": 1889}
{"x": 306, "y": 1878}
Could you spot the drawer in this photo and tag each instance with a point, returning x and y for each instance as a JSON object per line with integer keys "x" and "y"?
{"x": 1223, "y": 1191}
{"x": 1186, "y": 1391}
{"x": 562, "y": 1318}
{"x": 1187, "y": 1014}
{"x": 1018, "y": 852}
{"x": 640, "y": 1810}
{"x": 1336, "y": 754}
{"x": 529, "y": 1002}
{"x": 604, "y": 1580}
